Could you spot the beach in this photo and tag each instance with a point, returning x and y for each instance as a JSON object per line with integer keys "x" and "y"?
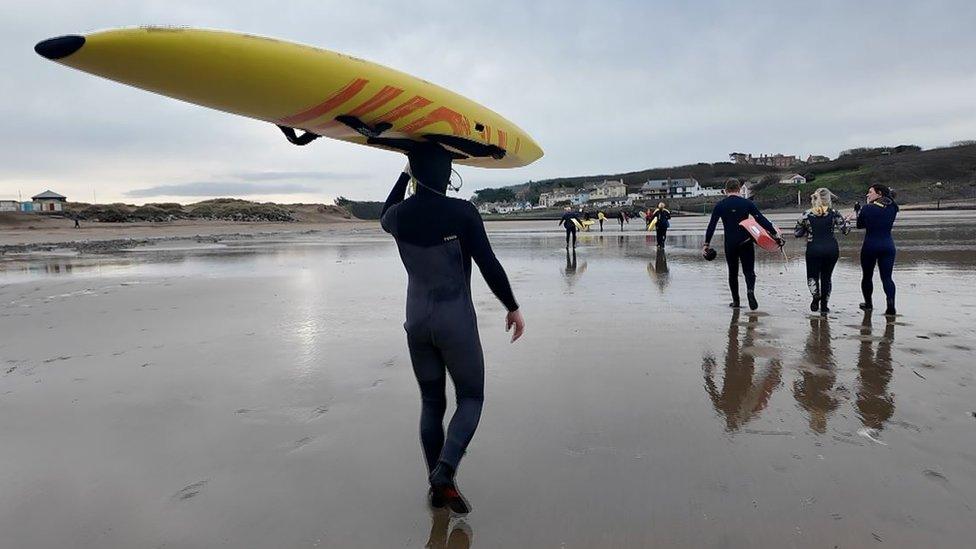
{"x": 256, "y": 391}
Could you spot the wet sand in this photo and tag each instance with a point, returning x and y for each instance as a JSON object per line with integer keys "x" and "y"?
{"x": 258, "y": 394}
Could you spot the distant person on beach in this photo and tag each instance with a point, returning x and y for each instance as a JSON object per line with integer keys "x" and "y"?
{"x": 437, "y": 238}
{"x": 876, "y": 217}
{"x": 77, "y": 224}
{"x": 567, "y": 221}
{"x": 622, "y": 218}
{"x": 739, "y": 247}
{"x": 818, "y": 225}
{"x": 663, "y": 216}
{"x": 601, "y": 217}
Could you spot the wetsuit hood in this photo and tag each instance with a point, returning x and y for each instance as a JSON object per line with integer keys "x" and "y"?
{"x": 430, "y": 164}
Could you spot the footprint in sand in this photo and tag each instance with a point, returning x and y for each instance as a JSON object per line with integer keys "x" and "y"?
{"x": 300, "y": 443}
{"x": 191, "y": 490}
{"x": 319, "y": 411}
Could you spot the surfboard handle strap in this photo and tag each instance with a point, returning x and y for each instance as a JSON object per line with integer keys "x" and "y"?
{"x": 363, "y": 128}
{"x": 295, "y": 139}
{"x": 465, "y": 148}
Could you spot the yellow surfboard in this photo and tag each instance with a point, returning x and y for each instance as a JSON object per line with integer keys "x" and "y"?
{"x": 298, "y": 87}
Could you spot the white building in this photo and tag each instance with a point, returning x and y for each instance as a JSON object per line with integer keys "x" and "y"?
{"x": 711, "y": 191}
{"x": 655, "y": 189}
{"x": 609, "y": 189}
{"x": 49, "y": 201}
{"x": 684, "y": 188}
{"x": 551, "y": 198}
{"x": 793, "y": 179}
{"x": 9, "y": 206}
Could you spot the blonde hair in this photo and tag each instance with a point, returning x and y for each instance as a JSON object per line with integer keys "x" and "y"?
{"x": 821, "y": 201}
{"x": 661, "y": 205}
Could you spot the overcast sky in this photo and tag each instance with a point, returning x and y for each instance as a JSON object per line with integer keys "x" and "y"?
{"x": 604, "y": 86}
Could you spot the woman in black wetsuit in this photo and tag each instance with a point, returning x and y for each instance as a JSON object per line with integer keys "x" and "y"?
{"x": 818, "y": 225}
{"x": 877, "y": 217}
{"x": 438, "y": 237}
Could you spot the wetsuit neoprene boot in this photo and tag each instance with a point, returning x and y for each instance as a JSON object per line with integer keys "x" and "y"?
{"x": 891, "y": 307}
{"x": 815, "y": 304}
{"x": 866, "y": 306}
{"x": 443, "y": 491}
{"x": 823, "y": 306}
{"x": 753, "y": 304}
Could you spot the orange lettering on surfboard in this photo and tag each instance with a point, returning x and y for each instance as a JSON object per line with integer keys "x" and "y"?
{"x": 380, "y": 98}
{"x": 459, "y": 123}
{"x": 404, "y": 109}
{"x": 502, "y": 139}
{"x": 330, "y": 103}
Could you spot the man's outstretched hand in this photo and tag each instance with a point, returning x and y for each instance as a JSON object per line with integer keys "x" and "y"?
{"x": 514, "y": 318}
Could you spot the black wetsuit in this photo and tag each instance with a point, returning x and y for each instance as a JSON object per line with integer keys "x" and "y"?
{"x": 877, "y": 218}
{"x": 567, "y": 221}
{"x": 822, "y": 251}
{"x": 663, "y": 216}
{"x": 739, "y": 247}
{"x": 437, "y": 238}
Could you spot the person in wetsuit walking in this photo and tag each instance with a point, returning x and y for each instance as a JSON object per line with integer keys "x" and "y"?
{"x": 818, "y": 225}
{"x": 663, "y": 216}
{"x": 567, "y": 222}
{"x": 437, "y": 238}
{"x": 877, "y": 217}
{"x": 739, "y": 247}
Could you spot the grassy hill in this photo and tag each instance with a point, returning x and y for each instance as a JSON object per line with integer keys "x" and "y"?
{"x": 915, "y": 175}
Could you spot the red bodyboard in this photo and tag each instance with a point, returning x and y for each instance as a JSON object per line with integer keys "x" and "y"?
{"x": 758, "y": 234}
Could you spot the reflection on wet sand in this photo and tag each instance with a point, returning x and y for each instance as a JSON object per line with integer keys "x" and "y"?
{"x": 460, "y": 535}
{"x": 744, "y": 392}
{"x": 814, "y": 389}
{"x": 658, "y": 269}
{"x": 875, "y": 405}
{"x": 573, "y": 270}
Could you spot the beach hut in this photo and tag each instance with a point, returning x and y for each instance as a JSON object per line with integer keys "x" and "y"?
{"x": 49, "y": 201}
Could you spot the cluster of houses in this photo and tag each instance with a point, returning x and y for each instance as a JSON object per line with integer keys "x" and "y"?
{"x": 614, "y": 193}
{"x": 780, "y": 161}
{"x": 46, "y": 202}
{"x": 607, "y": 194}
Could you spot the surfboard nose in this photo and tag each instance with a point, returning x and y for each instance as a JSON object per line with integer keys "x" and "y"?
{"x": 60, "y": 47}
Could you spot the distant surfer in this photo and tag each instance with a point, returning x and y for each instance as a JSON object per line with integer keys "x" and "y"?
{"x": 876, "y": 217}
{"x": 739, "y": 247}
{"x": 661, "y": 219}
{"x": 622, "y": 218}
{"x": 601, "y": 217}
{"x": 818, "y": 225}
{"x": 568, "y": 221}
{"x": 437, "y": 238}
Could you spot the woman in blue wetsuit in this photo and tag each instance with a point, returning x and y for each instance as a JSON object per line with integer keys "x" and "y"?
{"x": 818, "y": 225}
{"x": 877, "y": 217}
{"x": 438, "y": 237}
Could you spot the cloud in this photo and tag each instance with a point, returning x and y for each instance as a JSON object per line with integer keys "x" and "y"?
{"x": 604, "y": 86}
{"x": 220, "y": 188}
{"x": 317, "y": 176}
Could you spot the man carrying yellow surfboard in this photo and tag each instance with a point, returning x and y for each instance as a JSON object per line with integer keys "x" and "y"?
{"x": 437, "y": 238}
